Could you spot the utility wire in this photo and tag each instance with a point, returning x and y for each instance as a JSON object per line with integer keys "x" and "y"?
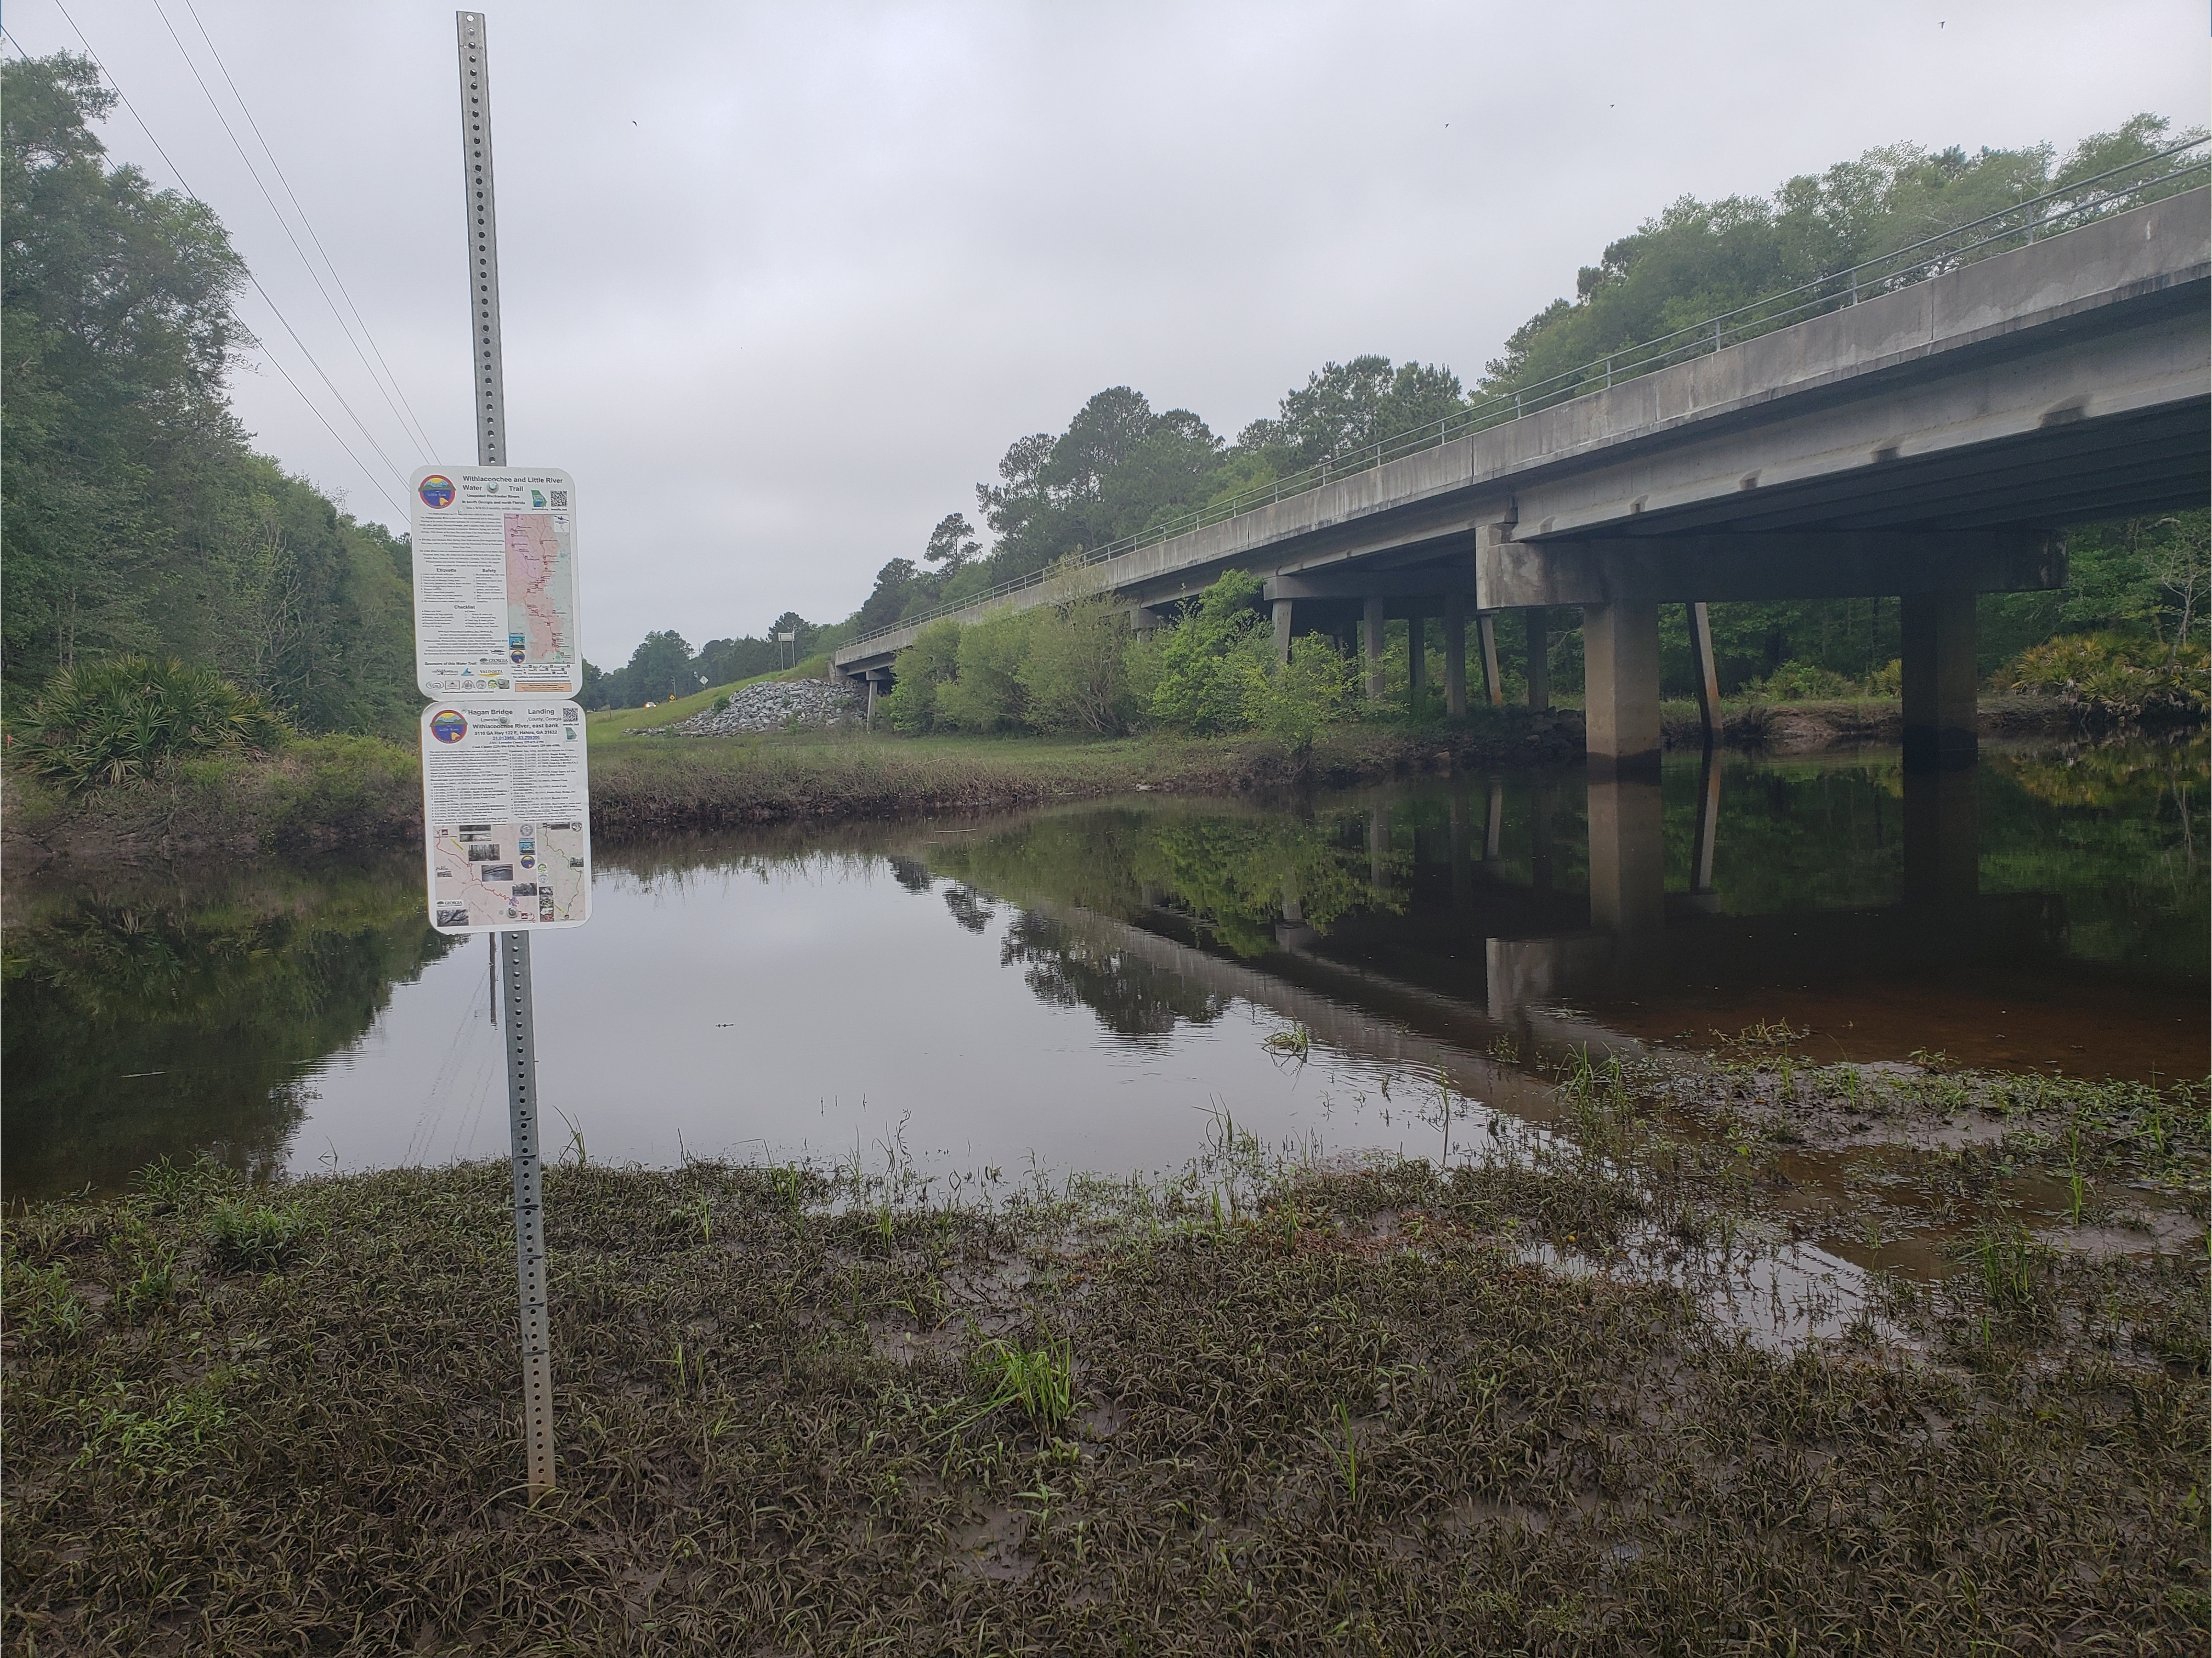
{"x": 420, "y": 436}
{"x": 229, "y": 133}
{"x": 366, "y": 470}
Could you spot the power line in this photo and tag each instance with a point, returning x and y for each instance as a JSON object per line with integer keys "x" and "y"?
{"x": 420, "y": 436}
{"x": 253, "y": 173}
{"x": 124, "y": 97}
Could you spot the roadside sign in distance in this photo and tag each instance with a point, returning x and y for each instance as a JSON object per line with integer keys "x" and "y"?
{"x": 496, "y": 581}
{"x": 506, "y": 815}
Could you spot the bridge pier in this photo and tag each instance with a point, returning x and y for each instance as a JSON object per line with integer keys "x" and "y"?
{"x": 1282, "y": 612}
{"x": 1536, "y": 620}
{"x": 1938, "y": 629}
{"x": 1620, "y": 670}
{"x": 1455, "y": 654}
{"x": 1371, "y": 620}
{"x": 1417, "y": 643}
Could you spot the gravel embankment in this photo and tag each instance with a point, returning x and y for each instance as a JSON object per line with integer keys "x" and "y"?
{"x": 769, "y": 706}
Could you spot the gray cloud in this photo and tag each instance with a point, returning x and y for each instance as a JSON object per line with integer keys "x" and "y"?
{"x": 781, "y": 281}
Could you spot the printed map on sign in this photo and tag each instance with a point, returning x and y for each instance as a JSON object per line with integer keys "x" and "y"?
{"x": 540, "y": 589}
{"x": 497, "y": 874}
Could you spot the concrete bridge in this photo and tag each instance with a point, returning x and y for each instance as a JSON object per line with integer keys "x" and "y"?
{"x": 1929, "y": 443}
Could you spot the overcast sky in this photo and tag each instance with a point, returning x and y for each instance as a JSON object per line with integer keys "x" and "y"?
{"x": 781, "y": 282}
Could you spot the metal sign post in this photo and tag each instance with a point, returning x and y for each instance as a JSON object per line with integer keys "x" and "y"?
{"x": 520, "y": 1039}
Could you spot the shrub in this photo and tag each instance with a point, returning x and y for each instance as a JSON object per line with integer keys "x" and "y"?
{"x": 1315, "y": 687}
{"x": 1076, "y": 671}
{"x": 932, "y": 661}
{"x": 987, "y": 693}
{"x": 1801, "y": 681}
{"x": 1202, "y": 665}
{"x": 130, "y": 717}
{"x": 2117, "y": 677}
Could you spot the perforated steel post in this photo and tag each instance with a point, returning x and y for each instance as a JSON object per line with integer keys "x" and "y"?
{"x": 529, "y": 1207}
{"x": 517, "y": 1029}
{"x": 483, "y": 239}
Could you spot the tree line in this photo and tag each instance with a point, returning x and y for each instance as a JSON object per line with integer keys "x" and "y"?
{"x": 137, "y": 519}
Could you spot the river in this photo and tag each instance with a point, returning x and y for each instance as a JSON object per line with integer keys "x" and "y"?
{"x": 1095, "y": 985}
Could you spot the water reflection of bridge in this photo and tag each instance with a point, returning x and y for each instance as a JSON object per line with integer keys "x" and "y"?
{"x": 1470, "y": 954}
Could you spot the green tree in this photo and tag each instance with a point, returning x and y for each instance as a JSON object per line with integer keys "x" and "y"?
{"x": 1347, "y": 405}
{"x": 661, "y": 667}
{"x": 952, "y": 543}
{"x": 135, "y": 517}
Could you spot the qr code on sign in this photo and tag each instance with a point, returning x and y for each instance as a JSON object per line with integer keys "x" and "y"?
{"x": 559, "y": 497}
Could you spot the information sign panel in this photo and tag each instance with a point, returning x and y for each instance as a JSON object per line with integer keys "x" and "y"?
{"x": 506, "y": 814}
{"x": 496, "y": 581}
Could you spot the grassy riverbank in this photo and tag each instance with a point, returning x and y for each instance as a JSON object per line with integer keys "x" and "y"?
{"x": 324, "y": 794}
{"x": 1261, "y": 1407}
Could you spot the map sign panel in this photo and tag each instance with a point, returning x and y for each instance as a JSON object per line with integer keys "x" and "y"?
{"x": 506, "y": 815}
{"x": 496, "y": 581}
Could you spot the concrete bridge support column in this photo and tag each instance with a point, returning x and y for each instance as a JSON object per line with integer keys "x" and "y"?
{"x": 1938, "y": 631}
{"x": 1371, "y": 645}
{"x": 1455, "y": 654}
{"x": 1143, "y": 619}
{"x": 1537, "y": 623}
{"x": 1416, "y": 667}
{"x": 1620, "y": 657}
{"x": 1282, "y": 616}
{"x": 1707, "y": 673}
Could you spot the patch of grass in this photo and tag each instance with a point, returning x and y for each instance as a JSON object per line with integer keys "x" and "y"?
{"x": 1040, "y": 1380}
{"x": 243, "y": 1236}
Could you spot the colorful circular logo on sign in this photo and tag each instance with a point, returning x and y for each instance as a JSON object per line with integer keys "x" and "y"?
{"x": 448, "y": 725}
{"x": 436, "y": 490}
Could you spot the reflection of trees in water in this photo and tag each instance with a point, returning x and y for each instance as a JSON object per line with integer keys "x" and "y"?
{"x": 969, "y": 907}
{"x": 1241, "y": 875}
{"x": 1236, "y": 874}
{"x": 911, "y": 873}
{"x": 215, "y": 1005}
{"x": 1131, "y": 997}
